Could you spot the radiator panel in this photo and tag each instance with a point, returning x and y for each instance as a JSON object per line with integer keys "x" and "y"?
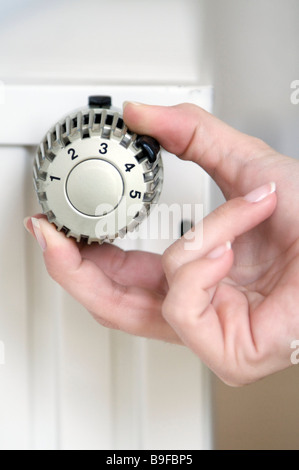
{"x": 67, "y": 382}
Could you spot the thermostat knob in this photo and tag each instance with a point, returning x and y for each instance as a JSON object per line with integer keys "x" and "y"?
{"x": 95, "y": 179}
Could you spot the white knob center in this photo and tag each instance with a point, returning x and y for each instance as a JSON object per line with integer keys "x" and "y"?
{"x": 94, "y": 187}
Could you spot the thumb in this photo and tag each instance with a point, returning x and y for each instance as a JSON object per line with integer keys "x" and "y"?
{"x": 194, "y": 134}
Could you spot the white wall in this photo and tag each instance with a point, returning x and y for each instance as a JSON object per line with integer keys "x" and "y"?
{"x": 251, "y": 56}
{"x": 100, "y": 41}
{"x": 251, "y": 52}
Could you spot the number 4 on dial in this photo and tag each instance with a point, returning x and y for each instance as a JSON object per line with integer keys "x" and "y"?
{"x": 129, "y": 166}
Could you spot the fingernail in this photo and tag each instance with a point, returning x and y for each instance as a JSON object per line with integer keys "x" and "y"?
{"x": 25, "y": 222}
{"x": 134, "y": 103}
{"x": 260, "y": 193}
{"x": 38, "y": 234}
{"x": 220, "y": 250}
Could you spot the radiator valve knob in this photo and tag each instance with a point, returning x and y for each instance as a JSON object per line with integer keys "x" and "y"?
{"x": 94, "y": 178}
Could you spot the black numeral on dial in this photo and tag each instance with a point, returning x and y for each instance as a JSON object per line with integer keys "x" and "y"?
{"x": 129, "y": 166}
{"x": 103, "y": 149}
{"x": 135, "y": 194}
{"x": 72, "y": 152}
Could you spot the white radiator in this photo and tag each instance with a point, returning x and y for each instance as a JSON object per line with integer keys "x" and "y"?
{"x": 65, "y": 381}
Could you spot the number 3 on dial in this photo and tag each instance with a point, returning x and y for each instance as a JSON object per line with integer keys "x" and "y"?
{"x": 104, "y": 148}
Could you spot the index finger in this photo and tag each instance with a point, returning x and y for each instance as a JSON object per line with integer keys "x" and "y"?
{"x": 192, "y": 133}
{"x": 133, "y": 309}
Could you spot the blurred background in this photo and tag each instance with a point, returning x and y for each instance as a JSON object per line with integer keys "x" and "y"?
{"x": 246, "y": 50}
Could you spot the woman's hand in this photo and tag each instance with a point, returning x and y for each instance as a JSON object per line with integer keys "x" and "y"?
{"x": 234, "y": 305}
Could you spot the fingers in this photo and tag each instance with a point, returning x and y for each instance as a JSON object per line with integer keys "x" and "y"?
{"x": 211, "y": 316}
{"x": 203, "y": 306}
{"x": 132, "y": 309}
{"x": 65, "y": 264}
{"x": 193, "y": 134}
{"x": 128, "y": 267}
{"x": 227, "y": 222}
{"x": 188, "y": 306}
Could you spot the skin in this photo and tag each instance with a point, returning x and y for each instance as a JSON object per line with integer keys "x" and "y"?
{"x": 237, "y": 309}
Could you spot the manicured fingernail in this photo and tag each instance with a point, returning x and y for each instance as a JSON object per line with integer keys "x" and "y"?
{"x": 134, "y": 103}
{"x": 260, "y": 193}
{"x": 38, "y": 233}
{"x": 220, "y": 250}
{"x": 25, "y": 222}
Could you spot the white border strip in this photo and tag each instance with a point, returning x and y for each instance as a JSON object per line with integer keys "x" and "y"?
{"x": 28, "y": 111}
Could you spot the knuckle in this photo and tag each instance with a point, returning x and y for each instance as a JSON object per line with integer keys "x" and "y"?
{"x": 169, "y": 261}
{"x": 175, "y": 307}
{"x": 238, "y": 378}
{"x": 170, "y": 311}
{"x": 184, "y": 275}
{"x": 243, "y": 368}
